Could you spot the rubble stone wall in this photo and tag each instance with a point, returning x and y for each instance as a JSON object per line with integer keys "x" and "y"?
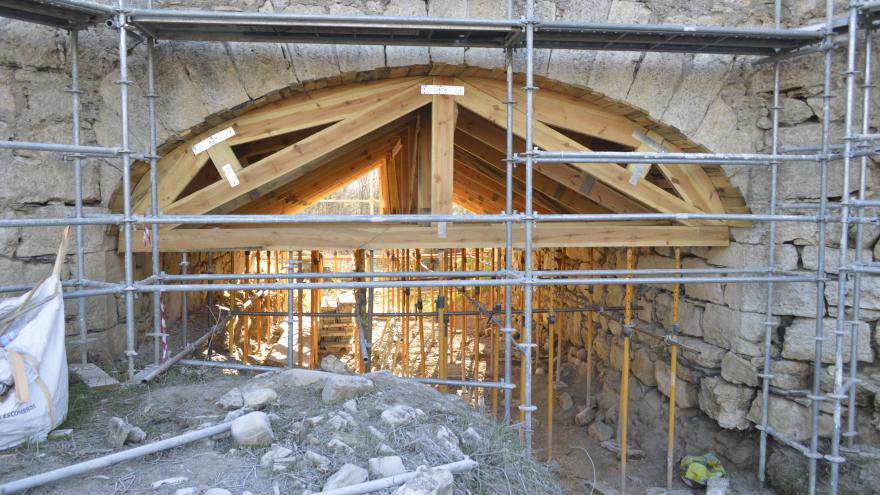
{"x": 721, "y": 102}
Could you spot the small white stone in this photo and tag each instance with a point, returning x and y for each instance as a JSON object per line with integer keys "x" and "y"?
{"x": 339, "y": 447}
{"x": 398, "y": 415}
{"x": 317, "y": 460}
{"x": 276, "y": 452}
{"x": 376, "y": 433}
{"x": 169, "y": 481}
{"x": 217, "y": 491}
{"x": 436, "y": 481}
{"x": 351, "y": 406}
{"x": 231, "y": 400}
{"x": 383, "y": 467}
{"x": 252, "y": 430}
{"x": 314, "y": 420}
{"x": 259, "y": 398}
{"x": 190, "y": 490}
{"x": 348, "y": 475}
{"x": 385, "y": 449}
{"x": 340, "y": 388}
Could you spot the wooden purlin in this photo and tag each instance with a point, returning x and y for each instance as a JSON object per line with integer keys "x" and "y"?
{"x": 473, "y": 177}
{"x": 373, "y": 236}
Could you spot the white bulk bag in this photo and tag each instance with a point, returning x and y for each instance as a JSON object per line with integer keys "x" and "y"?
{"x": 33, "y": 359}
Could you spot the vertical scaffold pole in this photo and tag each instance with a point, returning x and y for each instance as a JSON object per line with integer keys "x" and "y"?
{"x": 75, "y": 93}
{"x": 528, "y": 286}
{"x": 766, "y": 375}
{"x": 128, "y": 221}
{"x": 551, "y": 323}
{"x": 591, "y": 264}
{"x": 842, "y": 327}
{"x": 815, "y": 395}
{"x": 851, "y": 432}
{"x": 443, "y": 320}
{"x": 508, "y": 226}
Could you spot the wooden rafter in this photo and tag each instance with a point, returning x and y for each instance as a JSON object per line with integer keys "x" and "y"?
{"x": 613, "y": 175}
{"x": 372, "y": 236}
{"x": 577, "y": 181}
{"x": 296, "y": 113}
{"x": 310, "y": 149}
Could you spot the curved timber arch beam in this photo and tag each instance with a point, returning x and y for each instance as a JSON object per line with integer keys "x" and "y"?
{"x": 433, "y": 151}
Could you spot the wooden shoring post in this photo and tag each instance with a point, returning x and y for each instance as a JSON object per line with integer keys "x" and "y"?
{"x": 246, "y": 341}
{"x": 623, "y": 408}
{"x": 423, "y": 358}
{"x": 492, "y": 298}
{"x": 551, "y": 324}
{"x": 360, "y": 299}
{"x": 443, "y": 117}
{"x": 314, "y": 327}
{"x": 463, "y": 268}
{"x": 559, "y": 328}
{"x": 233, "y": 322}
{"x": 673, "y": 369}
{"x": 258, "y": 302}
{"x": 591, "y": 253}
{"x": 442, "y": 320}
{"x": 299, "y": 315}
{"x": 476, "y": 368}
{"x": 406, "y": 360}
{"x": 450, "y": 295}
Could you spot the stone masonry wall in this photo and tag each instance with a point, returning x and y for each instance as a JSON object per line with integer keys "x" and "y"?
{"x": 720, "y": 102}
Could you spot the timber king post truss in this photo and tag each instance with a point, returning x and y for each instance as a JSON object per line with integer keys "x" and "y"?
{"x": 526, "y": 34}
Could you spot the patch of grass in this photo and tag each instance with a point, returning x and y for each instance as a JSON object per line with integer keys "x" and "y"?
{"x": 81, "y": 403}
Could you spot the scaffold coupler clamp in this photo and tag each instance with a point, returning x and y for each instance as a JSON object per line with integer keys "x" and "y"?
{"x": 669, "y": 338}
{"x": 628, "y": 330}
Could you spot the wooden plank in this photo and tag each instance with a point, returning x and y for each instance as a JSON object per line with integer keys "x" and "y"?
{"x": 374, "y": 236}
{"x": 443, "y": 114}
{"x": 221, "y": 154}
{"x": 611, "y": 174}
{"x": 302, "y": 153}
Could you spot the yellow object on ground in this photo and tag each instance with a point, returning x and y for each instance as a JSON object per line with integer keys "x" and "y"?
{"x": 697, "y": 470}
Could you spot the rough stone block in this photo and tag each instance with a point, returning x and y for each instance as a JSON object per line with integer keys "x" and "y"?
{"x": 340, "y": 388}
{"x": 686, "y": 393}
{"x": 738, "y": 255}
{"x": 643, "y": 366}
{"x": 700, "y": 352}
{"x": 726, "y": 403}
{"x": 789, "y": 299}
{"x": 789, "y": 418}
{"x": 738, "y": 370}
{"x": 252, "y": 430}
{"x": 799, "y": 343}
{"x": 742, "y": 332}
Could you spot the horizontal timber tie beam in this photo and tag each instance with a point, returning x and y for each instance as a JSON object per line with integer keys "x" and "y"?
{"x": 365, "y": 236}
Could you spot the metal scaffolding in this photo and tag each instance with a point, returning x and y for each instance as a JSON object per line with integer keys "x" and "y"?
{"x": 527, "y": 34}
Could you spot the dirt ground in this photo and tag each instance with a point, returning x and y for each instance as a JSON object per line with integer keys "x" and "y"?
{"x": 184, "y": 398}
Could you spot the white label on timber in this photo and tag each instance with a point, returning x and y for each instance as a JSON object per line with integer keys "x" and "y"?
{"x": 437, "y": 89}
{"x": 211, "y": 141}
{"x": 229, "y": 172}
{"x": 441, "y": 230}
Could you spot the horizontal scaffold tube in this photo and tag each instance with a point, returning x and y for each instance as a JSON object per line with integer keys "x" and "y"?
{"x": 613, "y": 157}
{"x": 474, "y": 312}
{"x": 457, "y": 219}
{"x": 95, "y": 151}
{"x": 470, "y": 283}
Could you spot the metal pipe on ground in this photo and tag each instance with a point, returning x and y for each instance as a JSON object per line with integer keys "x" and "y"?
{"x": 220, "y": 325}
{"x": 398, "y": 479}
{"x": 41, "y": 479}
